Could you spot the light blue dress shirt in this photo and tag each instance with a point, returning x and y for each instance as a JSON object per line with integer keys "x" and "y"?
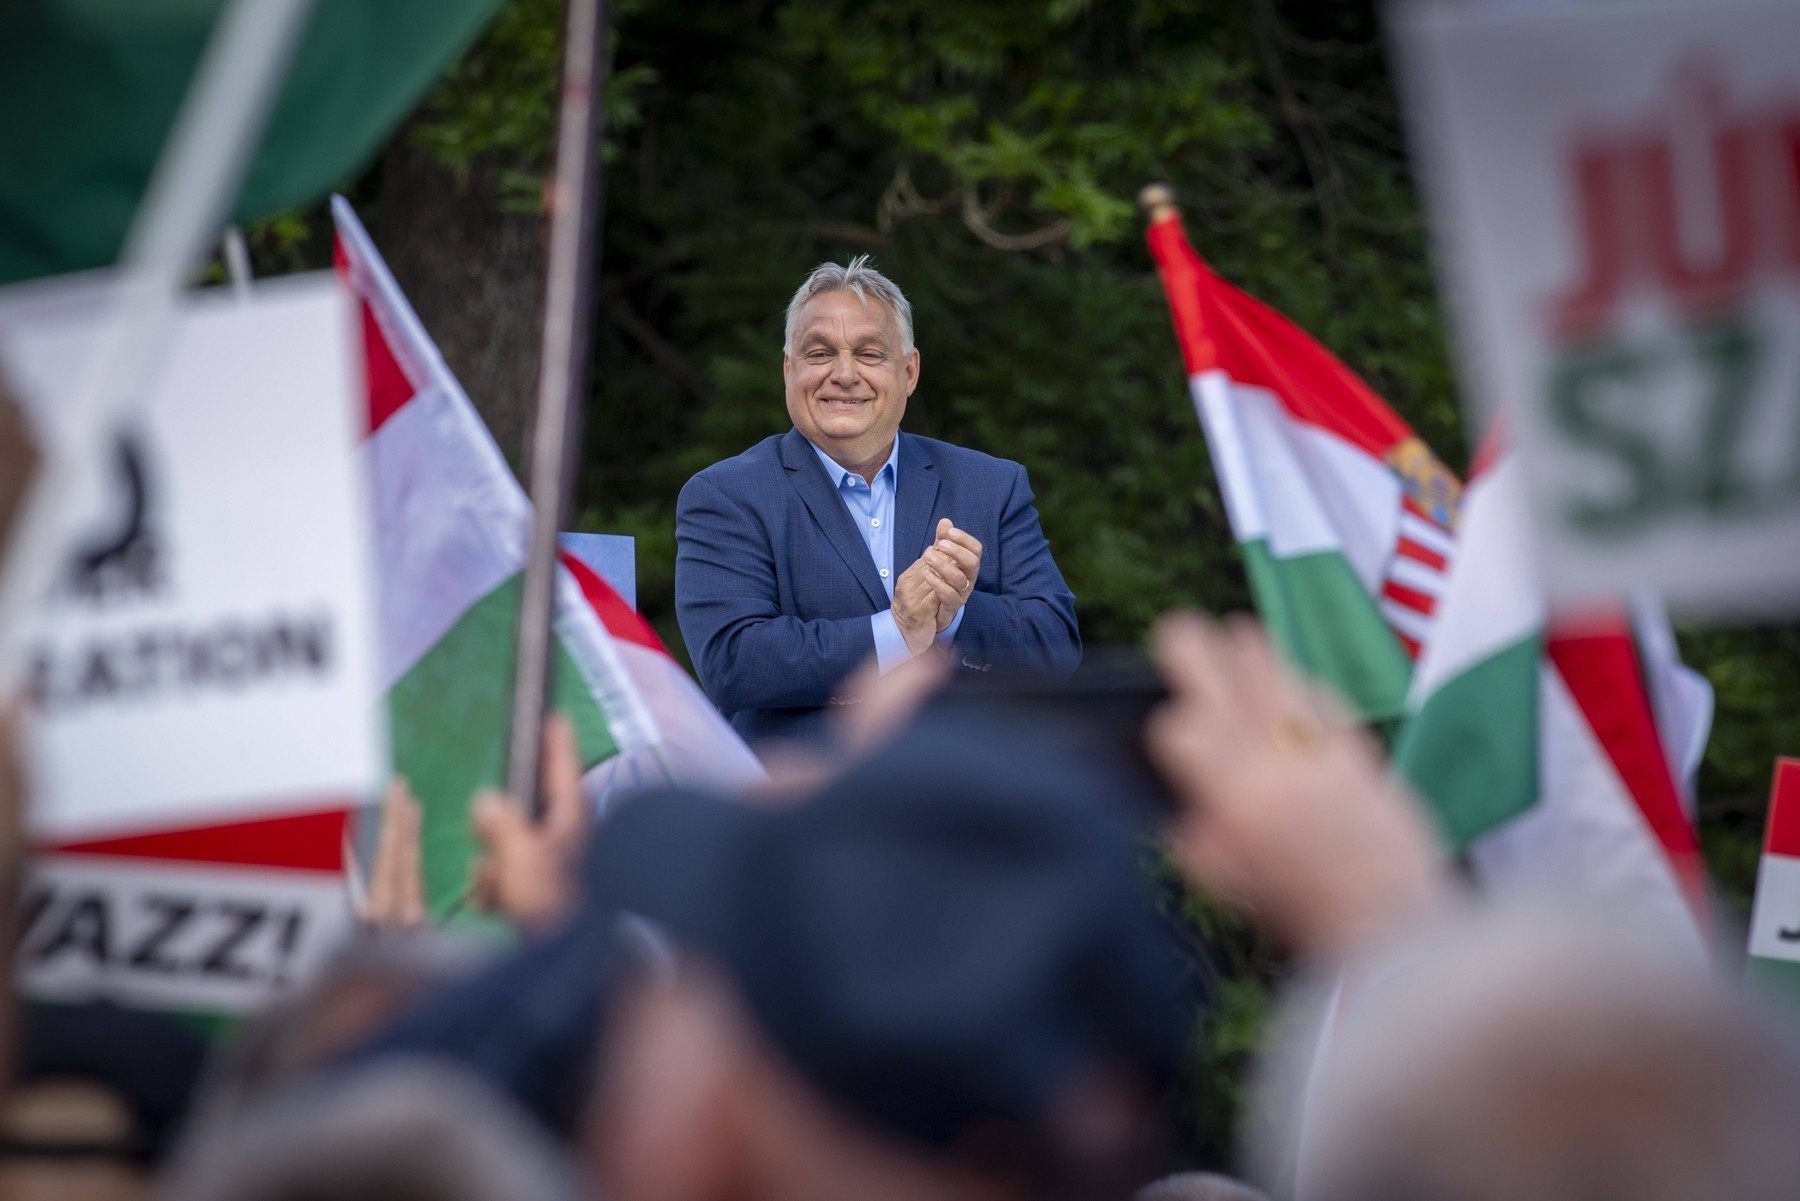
{"x": 871, "y": 508}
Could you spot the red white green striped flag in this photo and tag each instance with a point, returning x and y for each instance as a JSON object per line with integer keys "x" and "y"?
{"x": 697, "y": 747}
{"x": 1537, "y": 751}
{"x": 1536, "y": 740}
{"x": 1343, "y": 515}
{"x": 450, "y": 525}
{"x": 1471, "y": 746}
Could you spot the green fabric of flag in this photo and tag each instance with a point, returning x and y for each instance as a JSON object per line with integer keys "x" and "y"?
{"x": 89, "y": 90}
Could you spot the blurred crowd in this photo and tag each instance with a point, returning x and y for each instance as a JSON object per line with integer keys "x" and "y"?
{"x": 934, "y": 962}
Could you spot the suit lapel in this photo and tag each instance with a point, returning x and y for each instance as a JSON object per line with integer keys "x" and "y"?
{"x": 827, "y": 507}
{"x": 914, "y": 499}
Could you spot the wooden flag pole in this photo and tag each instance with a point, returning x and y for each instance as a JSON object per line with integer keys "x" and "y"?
{"x": 562, "y": 376}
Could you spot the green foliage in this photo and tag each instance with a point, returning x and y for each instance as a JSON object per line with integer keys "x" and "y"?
{"x": 500, "y": 102}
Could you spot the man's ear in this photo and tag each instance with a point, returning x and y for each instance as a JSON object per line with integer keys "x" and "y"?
{"x": 912, "y": 370}
{"x": 664, "y": 1124}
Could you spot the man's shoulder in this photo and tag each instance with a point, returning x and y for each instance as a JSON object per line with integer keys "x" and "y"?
{"x": 962, "y": 460}
{"x": 746, "y": 469}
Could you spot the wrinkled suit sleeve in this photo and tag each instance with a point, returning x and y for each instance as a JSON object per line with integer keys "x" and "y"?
{"x": 1029, "y": 625}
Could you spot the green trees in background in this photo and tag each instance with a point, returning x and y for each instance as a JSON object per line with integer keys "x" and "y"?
{"x": 987, "y": 155}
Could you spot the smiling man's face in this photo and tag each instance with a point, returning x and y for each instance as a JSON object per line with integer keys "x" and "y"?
{"x": 848, "y": 378}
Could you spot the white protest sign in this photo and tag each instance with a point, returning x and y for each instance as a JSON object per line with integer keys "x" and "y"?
{"x": 208, "y": 651}
{"x": 171, "y": 935}
{"x": 1616, "y": 190}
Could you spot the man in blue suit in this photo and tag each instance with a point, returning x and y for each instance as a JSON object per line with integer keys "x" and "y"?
{"x": 845, "y": 538}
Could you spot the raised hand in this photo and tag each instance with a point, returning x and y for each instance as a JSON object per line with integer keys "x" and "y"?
{"x": 527, "y": 870}
{"x": 1285, "y": 805}
{"x": 396, "y": 897}
{"x": 952, "y": 564}
{"x": 916, "y": 608}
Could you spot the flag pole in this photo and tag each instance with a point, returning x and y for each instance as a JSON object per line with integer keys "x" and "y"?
{"x": 562, "y": 377}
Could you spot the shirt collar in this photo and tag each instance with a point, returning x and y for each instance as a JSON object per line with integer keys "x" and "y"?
{"x": 835, "y": 471}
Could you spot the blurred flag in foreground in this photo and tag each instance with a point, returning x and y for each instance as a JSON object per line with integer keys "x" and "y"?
{"x": 1774, "y": 961}
{"x": 1535, "y": 740}
{"x": 698, "y": 747}
{"x": 90, "y": 88}
{"x": 450, "y": 526}
{"x": 1343, "y": 515}
{"x": 1538, "y": 751}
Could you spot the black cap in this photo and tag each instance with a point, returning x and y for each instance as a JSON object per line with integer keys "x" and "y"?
{"x": 950, "y": 935}
{"x": 945, "y": 939}
{"x": 149, "y": 1061}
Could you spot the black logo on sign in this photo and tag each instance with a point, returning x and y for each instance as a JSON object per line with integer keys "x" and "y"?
{"x": 122, "y": 559}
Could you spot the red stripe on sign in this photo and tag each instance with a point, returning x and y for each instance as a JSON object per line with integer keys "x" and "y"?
{"x": 1783, "y": 834}
{"x": 1412, "y": 598}
{"x": 1406, "y": 548}
{"x": 304, "y": 842}
{"x": 1409, "y": 645}
{"x": 619, "y": 618}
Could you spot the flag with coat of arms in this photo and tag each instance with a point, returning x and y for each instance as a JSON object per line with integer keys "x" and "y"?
{"x": 1542, "y": 750}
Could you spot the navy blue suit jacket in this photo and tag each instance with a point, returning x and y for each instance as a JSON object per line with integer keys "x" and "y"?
{"x": 774, "y": 585}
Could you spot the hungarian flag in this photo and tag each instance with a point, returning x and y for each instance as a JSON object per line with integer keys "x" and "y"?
{"x": 1536, "y": 740}
{"x": 89, "y": 90}
{"x": 696, "y": 747}
{"x": 1343, "y": 515}
{"x": 450, "y": 526}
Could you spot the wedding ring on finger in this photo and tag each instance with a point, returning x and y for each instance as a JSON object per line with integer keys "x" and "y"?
{"x": 1296, "y": 733}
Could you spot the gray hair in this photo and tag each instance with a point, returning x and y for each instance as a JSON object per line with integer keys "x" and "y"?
{"x": 861, "y": 281}
{"x": 1198, "y": 1186}
{"x": 404, "y": 1130}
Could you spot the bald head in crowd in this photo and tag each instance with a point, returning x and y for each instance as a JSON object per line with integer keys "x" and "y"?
{"x": 1539, "y": 1054}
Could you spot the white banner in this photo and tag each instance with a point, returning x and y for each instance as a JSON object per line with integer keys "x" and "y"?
{"x": 174, "y": 935}
{"x": 207, "y": 653}
{"x": 1616, "y": 190}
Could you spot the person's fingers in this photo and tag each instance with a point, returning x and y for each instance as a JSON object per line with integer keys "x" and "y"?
{"x": 968, "y": 560}
{"x": 496, "y": 818}
{"x": 949, "y": 570}
{"x": 499, "y": 825}
{"x": 409, "y": 874}
{"x": 1256, "y": 677}
{"x": 1282, "y": 705}
{"x": 1189, "y": 653}
{"x": 961, "y": 537}
{"x": 891, "y": 702}
{"x": 1178, "y": 741}
{"x": 564, "y": 811}
{"x": 946, "y": 592}
{"x": 379, "y": 904}
{"x": 944, "y": 526}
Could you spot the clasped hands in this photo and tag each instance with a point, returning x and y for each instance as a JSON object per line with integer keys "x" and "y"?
{"x": 929, "y": 594}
